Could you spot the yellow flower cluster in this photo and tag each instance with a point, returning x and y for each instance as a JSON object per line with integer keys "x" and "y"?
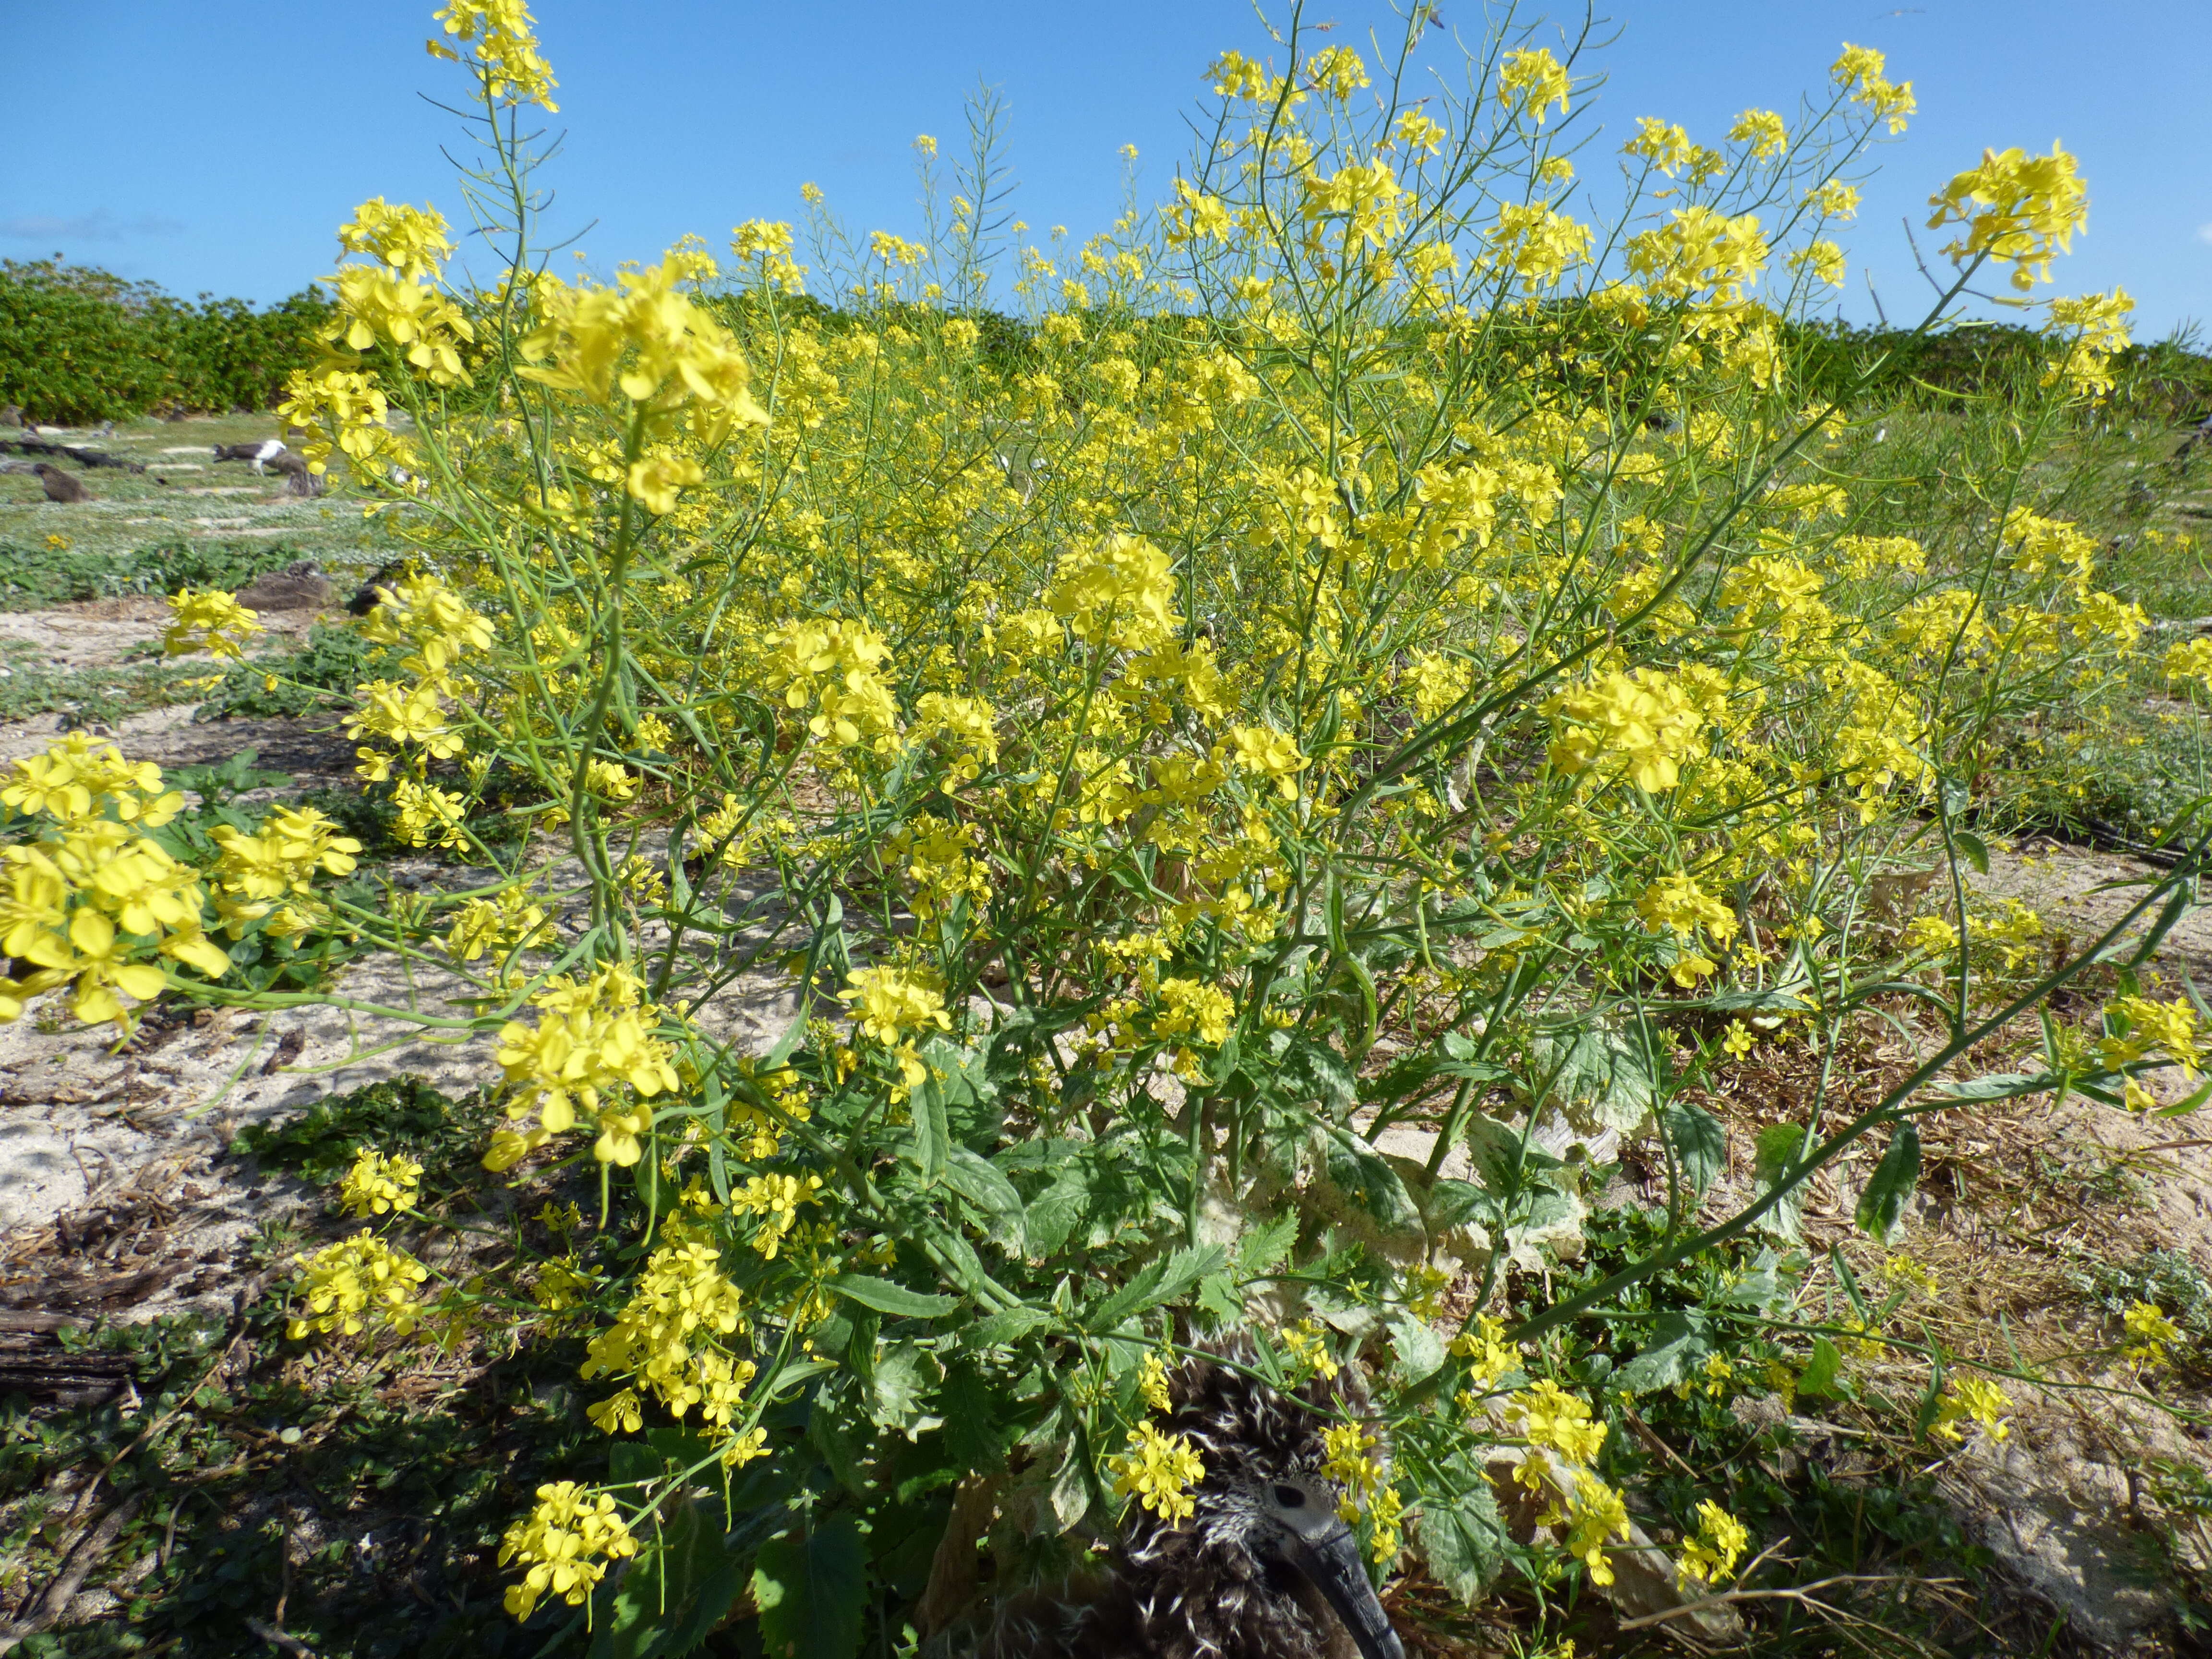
{"x": 1556, "y": 1423}
{"x": 2022, "y": 209}
{"x": 1308, "y": 1350}
{"x": 666, "y": 1340}
{"x": 1977, "y": 1399}
{"x": 1719, "y": 1542}
{"x": 503, "y": 49}
{"x": 356, "y": 1284}
{"x": 379, "y": 1184}
{"x": 1488, "y": 1354}
{"x": 279, "y": 861}
{"x": 210, "y": 622}
{"x": 1645, "y": 722}
{"x": 1159, "y": 1470}
{"x": 1859, "y": 72}
{"x": 2138, "y": 1027}
{"x": 1351, "y": 1461}
{"x": 646, "y": 344}
{"x": 92, "y": 899}
{"x": 2152, "y": 1332}
{"x": 567, "y": 1541}
{"x": 592, "y": 1046}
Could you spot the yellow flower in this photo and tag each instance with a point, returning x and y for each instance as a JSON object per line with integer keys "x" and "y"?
{"x": 1116, "y": 595}
{"x": 891, "y": 1002}
{"x": 1271, "y": 753}
{"x": 1530, "y": 82}
{"x": 378, "y": 1185}
{"x": 1645, "y": 719}
{"x": 1975, "y": 1397}
{"x": 357, "y": 1282}
{"x": 567, "y": 1542}
{"x": 1548, "y": 1416}
{"x": 2022, "y": 209}
{"x": 1159, "y": 1470}
{"x": 1719, "y": 1545}
{"x": 211, "y": 622}
{"x": 1763, "y": 129}
{"x": 1152, "y": 1383}
{"x": 2153, "y": 1332}
{"x": 1309, "y": 1349}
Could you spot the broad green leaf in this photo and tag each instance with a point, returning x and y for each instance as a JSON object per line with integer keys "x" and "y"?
{"x": 1420, "y": 1351}
{"x": 1818, "y": 1376}
{"x": 1460, "y": 1531}
{"x": 1676, "y": 1353}
{"x": 811, "y": 1592}
{"x": 1882, "y": 1206}
{"x": 672, "y": 1599}
{"x": 908, "y": 1378}
{"x": 1777, "y": 1149}
{"x": 1973, "y": 849}
{"x": 1217, "y": 1295}
{"x": 1365, "y": 1178}
{"x": 894, "y": 1299}
{"x": 976, "y": 1180}
{"x": 1598, "y": 1074}
{"x": 1309, "y": 1071}
{"x": 1700, "y": 1143}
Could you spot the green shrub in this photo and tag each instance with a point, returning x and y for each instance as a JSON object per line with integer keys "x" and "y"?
{"x": 87, "y": 345}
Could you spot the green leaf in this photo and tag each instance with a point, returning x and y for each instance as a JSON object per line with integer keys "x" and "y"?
{"x": 978, "y": 1180}
{"x": 1262, "y": 1246}
{"x": 810, "y": 1591}
{"x": 1366, "y": 1179}
{"x": 1163, "y": 1281}
{"x": 673, "y": 1598}
{"x": 2000, "y": 1085}
{"x": 1217, "y": 1295}
{"x": 1309, "y": 1071}
{"x": 1460, "y": 1530}
{"x": 1679, "y": 1345}
{"x": 1598, "y": 1074}
{"x": 894, "y": 1299}
{"x": 1777, "y": 1149}
{"x": 1882, "y": 1206}
{"x": 1972, "y": 848}
{"x": 1055, "y": 1213}
{"x": 1818, "y": 1376}
{"x": 1420, "y": 1351}
{"x": 1004, "y": 1328}
{"x": 907, "y": 1377}
{"x": 1700, "y": 1143}
{"x": 932, "y": 1135}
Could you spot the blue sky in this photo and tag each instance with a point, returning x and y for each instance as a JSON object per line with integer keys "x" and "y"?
{"x": 215, "y": 150}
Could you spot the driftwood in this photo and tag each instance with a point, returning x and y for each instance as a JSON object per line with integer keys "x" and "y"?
{"x": 81, "y": 457}
{"x": 33, "y": 1362}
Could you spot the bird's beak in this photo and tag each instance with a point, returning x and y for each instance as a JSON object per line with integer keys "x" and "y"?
{"x": 1332, "y": 1564}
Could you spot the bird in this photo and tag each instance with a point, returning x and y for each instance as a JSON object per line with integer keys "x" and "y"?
{"x": 259, "y": 453}
{"x": 1265, "y": 1568}
{"x": 59, "y": 485}
{"x": 299, "y": 479}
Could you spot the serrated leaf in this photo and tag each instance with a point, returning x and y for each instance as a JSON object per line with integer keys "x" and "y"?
{"x": 1004, "y": 1328}
{"x": 1882, "y": 1206}
{"x": 1699, "y": 1144}
{"x": 894, "y": 1299}
{"x": 1679, "y": 1343}
{"x": 1262, "y": 1246}
{"x": 908, "y": 1379}
{"x": 1598, "y": 1074}
{"x": 1217, "y": 1296}
{"x": 1162, "y": 1281}
{"x": 1313, "y": 1071}
{"x": 976, "y": 1179}
{"x": 810, "y": 1590}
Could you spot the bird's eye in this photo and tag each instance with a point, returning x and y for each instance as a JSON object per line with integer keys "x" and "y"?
{"x": 1289, "y": 1497}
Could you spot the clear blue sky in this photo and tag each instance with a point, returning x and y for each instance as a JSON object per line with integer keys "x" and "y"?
{"x": 216, "y": 148}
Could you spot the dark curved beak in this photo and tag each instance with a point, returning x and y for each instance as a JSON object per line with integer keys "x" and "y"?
{"x": 1332, "y": 1565}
